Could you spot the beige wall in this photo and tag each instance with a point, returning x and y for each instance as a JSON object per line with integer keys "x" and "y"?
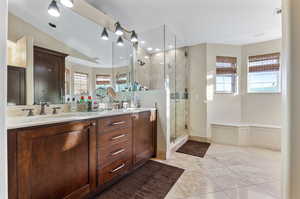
{"x": 238, "y": 107}
{"x": 197, "y": 84}
{"x": 260, "y": 108}
{"x": 17, "y": 28}
{"x": 222, "y": 107}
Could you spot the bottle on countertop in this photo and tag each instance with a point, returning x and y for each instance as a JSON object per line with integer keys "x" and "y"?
{"x": 90, "y": 104}
{"x": 73, "y": 105}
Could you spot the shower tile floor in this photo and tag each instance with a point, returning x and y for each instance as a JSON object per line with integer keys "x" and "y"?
{"x": 227, "y": 172}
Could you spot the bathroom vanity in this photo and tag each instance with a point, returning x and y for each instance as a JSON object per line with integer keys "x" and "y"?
{"x": 75, "y": 157}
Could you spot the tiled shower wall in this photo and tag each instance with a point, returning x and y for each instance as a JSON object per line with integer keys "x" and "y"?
{"x": 173, "y": 65}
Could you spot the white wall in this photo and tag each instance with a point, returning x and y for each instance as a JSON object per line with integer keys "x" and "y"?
{"x": 3, "y": 83}
{"x": 197, "y": 85}
{"x": 260, "y": 108}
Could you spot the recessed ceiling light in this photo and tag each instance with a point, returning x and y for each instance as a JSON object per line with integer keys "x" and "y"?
{"x": 67, "y": 3}
{"x": 150, "y": 49}
{"x": 146, "y": 57}
{"x": 157, "y": 49}
{"x": 53, "y": 9}
{"x": 98, "y": 60}
{"x": 143, "y": 42}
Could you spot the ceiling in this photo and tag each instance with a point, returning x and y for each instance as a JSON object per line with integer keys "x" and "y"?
{"x": 74, "y": 31}
{"x": 200, "y": 21}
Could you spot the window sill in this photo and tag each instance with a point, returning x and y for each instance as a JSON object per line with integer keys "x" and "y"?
{"x": 274, "y": 93}
{"x": 222, "y": 93}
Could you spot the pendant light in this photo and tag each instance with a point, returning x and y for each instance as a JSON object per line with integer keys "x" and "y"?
{"x": 67, "y": 3}
{"x": 134, "y": 37}
{"x": 53, "y": 9}
{"x": 104, "y": 34}
{"x": 119, "y": 29}
{"x": 120, "y": 41}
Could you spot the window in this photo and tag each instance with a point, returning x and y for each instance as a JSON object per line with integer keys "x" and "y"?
{"x": 264, "y": 73}
{"x": 103, "y": 81}
{"x": 80, "y": 83}
{"x": 121, "y": 81}
{"x": 226, "y": 74}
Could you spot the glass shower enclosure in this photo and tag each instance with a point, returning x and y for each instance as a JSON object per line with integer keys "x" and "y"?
{"x": 162, "y": 63}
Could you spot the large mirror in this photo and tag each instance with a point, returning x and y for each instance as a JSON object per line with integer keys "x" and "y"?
{"x": 56, "y": 59}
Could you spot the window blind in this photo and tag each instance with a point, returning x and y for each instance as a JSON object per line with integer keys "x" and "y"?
{"x": 103, "y": 79}
{"x": 80, "y": 83}
{"x": 226, "y": 65}
{"x": 262, "y": 63}
{"x": 121, "y": 78}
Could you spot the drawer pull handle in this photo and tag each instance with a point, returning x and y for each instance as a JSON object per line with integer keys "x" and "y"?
{"x": 118, "y": 137}
{"x": 118, "y": 152}
{"x": 118, "y": 123}
{"x": 118, "y": 168}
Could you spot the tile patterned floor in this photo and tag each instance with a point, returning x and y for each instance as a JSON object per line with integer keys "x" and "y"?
{"x": 227, "y": 172}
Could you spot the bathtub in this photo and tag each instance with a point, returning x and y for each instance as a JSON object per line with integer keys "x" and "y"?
{"x": 247, "y": 134}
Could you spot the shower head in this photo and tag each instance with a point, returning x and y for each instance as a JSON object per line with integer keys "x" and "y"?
{"x": 141, "y": 62}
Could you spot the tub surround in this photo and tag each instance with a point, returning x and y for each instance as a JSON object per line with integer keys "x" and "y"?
{"x": 247, "y": 134}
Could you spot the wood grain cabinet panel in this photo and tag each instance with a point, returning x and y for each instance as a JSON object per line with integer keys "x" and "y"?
{"x": 16, "y": 82}
{"x": 77, "y": 159}
{"x": 143, "y": 138}
{"x": 57, "y": 162}
{"x": 49, "y": 76}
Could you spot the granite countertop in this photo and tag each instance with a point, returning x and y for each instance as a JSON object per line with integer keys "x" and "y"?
{"x": 23, "y": 122}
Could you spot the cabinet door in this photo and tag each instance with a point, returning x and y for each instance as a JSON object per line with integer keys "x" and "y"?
{"x": 49, "y": 76}
{"x": 16, "y": 81}
{"x": 57, "y": 162}
{"x": 143, "y": 138}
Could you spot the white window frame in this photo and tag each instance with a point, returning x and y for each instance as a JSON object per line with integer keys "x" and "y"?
{"x": 265, "y": 92}
{"x": 74, "y": 91}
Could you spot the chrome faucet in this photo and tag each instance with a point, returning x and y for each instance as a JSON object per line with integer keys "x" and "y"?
{"x": 43, "y": 106}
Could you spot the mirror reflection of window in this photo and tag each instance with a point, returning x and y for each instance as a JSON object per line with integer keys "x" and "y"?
{"x": 80, "y": 83}
{"x": 103, "y": 81}
{"x": 122, "y": 82}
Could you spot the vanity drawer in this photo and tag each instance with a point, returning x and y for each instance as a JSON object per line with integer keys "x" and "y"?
{"x": 108, "y": 155}
{"x": 108, "y": 139}
{"x": 114, "y": 170}
{"x": 116, "y": 122}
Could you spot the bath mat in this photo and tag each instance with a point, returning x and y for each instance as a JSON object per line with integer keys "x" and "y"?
{"x": 194, "y": 148}
{"x": 152, "y": 181}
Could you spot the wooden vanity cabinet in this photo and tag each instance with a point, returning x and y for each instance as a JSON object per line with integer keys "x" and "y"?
{"x": 114, "y": 147}
{"x": 55, "y": 162}
{"x": 143, "y": 138}
{"x": 77, "y": 160}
